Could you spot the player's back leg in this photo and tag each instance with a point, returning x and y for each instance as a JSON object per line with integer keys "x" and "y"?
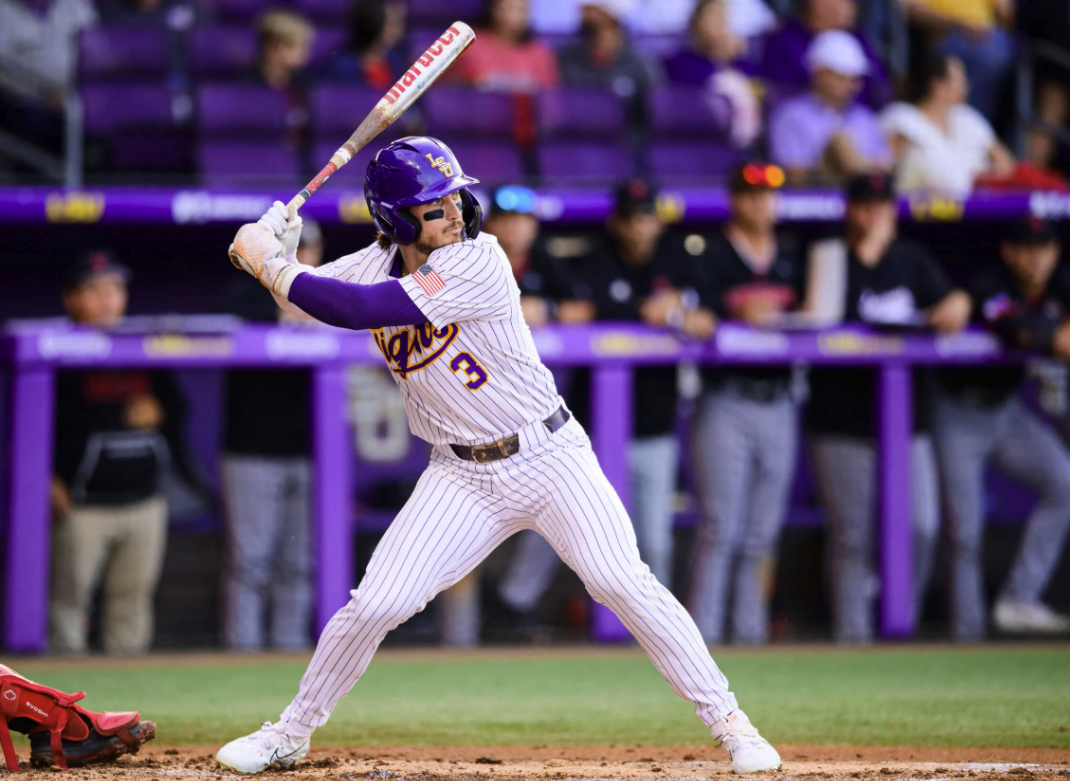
{"x": 449, "y": 525}
{"x": 584, "y": 519}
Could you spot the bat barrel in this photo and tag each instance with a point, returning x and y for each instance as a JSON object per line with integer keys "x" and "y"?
{"x": 439, "y": 56}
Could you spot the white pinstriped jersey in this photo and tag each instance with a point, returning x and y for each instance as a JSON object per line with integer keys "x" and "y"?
{"x": 472, "y": 374}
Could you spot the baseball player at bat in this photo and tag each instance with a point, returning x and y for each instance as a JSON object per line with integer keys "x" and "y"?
{"x": 440, "y": 299}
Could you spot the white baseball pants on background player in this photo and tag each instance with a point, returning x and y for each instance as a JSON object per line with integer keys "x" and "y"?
{"x": 460, "y": 512}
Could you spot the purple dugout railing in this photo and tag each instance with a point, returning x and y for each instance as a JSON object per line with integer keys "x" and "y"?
{"x": 33, "y": 354}
{"x": 554, "y": 206}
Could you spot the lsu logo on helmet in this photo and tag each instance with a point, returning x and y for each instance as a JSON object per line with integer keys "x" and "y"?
{"x": 441, "y": 164}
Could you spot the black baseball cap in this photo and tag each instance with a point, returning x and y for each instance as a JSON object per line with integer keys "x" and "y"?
{"x": 870, "y": 188}
{"x": 1030, "y": 231}
{"x": 756, "y": 177}
{"x": 513, "y": 199}
{"x": 91, "y": 265}
{"x": 635, "y": 196}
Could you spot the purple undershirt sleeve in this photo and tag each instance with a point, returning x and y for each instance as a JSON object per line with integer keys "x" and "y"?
{"x": 359, "y": 307}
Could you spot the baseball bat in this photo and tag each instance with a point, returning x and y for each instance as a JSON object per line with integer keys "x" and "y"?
{"x": 421, "y": 75}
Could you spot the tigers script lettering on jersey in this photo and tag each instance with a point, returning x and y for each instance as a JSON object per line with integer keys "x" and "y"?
{"x": 472, "y": 374}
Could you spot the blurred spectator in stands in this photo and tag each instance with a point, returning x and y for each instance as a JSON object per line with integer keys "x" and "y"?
{"x": 285, "y": 44}
{"x": 266, "y": 478}
{"x": 116, "y": 432}
{"x": 38, "y": 62}
{"x": 714, "y": 59}
{"x": 745, "y": 436}
{"x": 505, "y": 57}
{"x": 939, "y": 142}
{"x": 284, "y": 49}
{"x": 744, "y": 18}
{"x": 375, "y": 54}
{"x": 824, "y": 134}
{"x": 872, "y": 277}
{"x": 712, "y": 47}
{"x": 605, "y": 58}
{"x": 549, "y": 291}
{"x": 785, "y": 57}
{"x": 979, "y": 418}
{"x": 39, "y": 45}
{"x": 973, "y": 31}
{"x": 1048, "y": 23}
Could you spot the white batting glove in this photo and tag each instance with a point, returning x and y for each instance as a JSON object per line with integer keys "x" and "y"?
{"x": 277, "y": 220}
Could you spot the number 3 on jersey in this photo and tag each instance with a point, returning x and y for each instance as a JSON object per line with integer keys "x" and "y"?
{"x": 466, "y": 363}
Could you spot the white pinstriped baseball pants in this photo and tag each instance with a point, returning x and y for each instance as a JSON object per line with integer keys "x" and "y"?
{"x": 459, "y": 513}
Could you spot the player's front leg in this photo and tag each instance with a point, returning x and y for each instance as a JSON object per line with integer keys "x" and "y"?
{"x": 445, "y": 530}
{"x": 588, "y": 525}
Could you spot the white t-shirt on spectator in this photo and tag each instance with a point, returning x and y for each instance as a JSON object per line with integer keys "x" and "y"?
{"x": 935, "y": 161}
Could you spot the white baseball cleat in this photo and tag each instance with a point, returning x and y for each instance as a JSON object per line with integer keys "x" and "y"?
{"x": 1028, "y": 618}
{"x": 749, "y": 751}
{"x": 270, "y": 745}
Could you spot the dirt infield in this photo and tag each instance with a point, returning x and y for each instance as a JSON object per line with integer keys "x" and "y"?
{"x": 598, "y": 763}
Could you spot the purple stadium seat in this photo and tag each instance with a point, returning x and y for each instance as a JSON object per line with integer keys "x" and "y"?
{"x": 585, "y": 162}
{"x": 327, "y": 44}
{"x": 221, "y": 52}
{"x": 580, "y": 114}
{"x": 335, "y": 110}
{"x": 688, "y": 113}
{"x": 473, "y": 114}
{"x": 164, "y": 151}
{"x": 247, "y": 163}
{"x": 240, "y": 10}
{"x": 351, "y": 176}
{"x": 689, "y": 135}
{"x": 659, "y": 45}
{"x": 240, "y": 110}
{"x": 135, "y": 124}
{"x": 437, "y": 11}
{"x": 689, "y": 162}
{"x": 324, "y": 12}
{"x": 123, "y": 53}
{"x": 114, "y": 107}
{"x": 490, "y": 162}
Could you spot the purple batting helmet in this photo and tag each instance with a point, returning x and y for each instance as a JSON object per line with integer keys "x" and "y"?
{"x": 412, "y": 171}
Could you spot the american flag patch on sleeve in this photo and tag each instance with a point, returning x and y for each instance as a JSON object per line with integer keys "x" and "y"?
{"x": 428, "y": 280}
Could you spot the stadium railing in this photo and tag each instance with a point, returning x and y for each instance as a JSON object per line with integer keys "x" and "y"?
{"x": 34, "y": 352}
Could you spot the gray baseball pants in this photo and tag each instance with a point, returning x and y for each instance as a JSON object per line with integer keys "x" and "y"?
{"x": 269, "y": 556}
{"x": 844, "y": 468}
{"x": 966, "y": 437}
{"x": 744, "y": 455}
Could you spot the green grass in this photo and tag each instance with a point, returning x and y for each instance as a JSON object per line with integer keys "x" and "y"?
{"x": 906, "y": 696}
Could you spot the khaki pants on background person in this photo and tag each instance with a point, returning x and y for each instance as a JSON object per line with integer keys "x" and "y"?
{"x": 121, "y": 545}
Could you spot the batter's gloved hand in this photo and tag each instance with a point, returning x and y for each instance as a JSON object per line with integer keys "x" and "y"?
{"x": 286, "y": 230}
{"x": 253, "y": 246}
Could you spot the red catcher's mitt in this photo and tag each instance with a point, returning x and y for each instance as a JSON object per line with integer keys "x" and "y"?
{"x": 60, "y": 731}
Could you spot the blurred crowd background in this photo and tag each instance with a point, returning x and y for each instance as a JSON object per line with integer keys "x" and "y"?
{"x": 240, "y": 91}
{"x": 181, "y": 520}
